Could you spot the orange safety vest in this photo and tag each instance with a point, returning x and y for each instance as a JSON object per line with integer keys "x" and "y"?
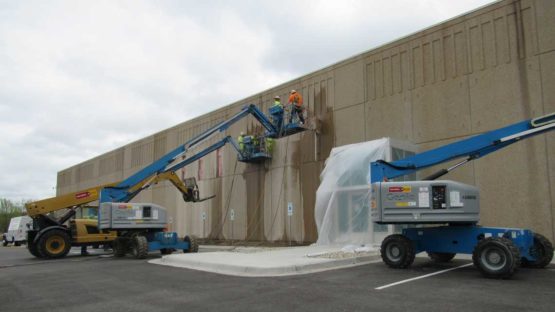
{"x": 296, "y": 99}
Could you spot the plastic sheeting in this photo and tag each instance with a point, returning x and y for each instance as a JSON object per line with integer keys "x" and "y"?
{"x": 342, "y": 209}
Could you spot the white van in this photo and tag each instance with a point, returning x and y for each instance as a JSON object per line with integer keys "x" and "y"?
{"x": 17, "y": 231}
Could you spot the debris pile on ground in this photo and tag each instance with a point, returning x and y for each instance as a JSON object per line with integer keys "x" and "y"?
{"x": 249, "y": 250}
{"x": 347, "y": 252}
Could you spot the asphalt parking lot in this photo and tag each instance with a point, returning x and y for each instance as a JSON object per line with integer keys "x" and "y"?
{"x": 102, "y": 283}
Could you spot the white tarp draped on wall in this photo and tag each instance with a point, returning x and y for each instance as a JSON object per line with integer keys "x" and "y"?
{"x": 342, "y": 209}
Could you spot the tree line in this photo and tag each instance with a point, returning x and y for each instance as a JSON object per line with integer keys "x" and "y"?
{"x": 8, "y": 210}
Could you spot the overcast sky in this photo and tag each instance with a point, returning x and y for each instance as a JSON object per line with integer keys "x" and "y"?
{"x": 81, "y": 78}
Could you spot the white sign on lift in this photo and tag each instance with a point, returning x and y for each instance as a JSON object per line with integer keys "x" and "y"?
{"x": 289, "y": 209}
{"x": 232, "y": 214}
{"x": 203, "y": 215}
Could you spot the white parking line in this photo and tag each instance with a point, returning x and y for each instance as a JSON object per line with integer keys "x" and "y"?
{"x": 421, "y": 277}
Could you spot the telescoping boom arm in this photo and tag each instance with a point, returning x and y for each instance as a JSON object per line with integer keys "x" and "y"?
{"x": 130, "y": 187}
{"x": 169, "y": 172}
{"x": 162, "y": 169}
{"x": 471, "y": 148}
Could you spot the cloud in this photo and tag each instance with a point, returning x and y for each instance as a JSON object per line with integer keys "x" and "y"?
{"x": 81, "y": 78}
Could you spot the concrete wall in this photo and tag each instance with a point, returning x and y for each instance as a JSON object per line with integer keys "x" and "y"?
{"x": 477, "y": 72}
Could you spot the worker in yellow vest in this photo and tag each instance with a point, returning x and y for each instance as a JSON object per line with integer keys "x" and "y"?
{"x": 277, "y": 101}
{"x": 240, "y": 140}
{"x": 269, "y": 145}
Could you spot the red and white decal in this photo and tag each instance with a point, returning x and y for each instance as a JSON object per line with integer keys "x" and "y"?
{"x": 399, "y": 189}
{"x": 82, "y": 195}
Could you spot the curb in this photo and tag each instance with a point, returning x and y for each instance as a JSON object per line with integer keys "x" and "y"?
{"x": 246, "y": 271}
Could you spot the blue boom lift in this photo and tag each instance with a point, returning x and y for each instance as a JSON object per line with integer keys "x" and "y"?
{"x": 50, "y": 237}
{"x": 142, "y": 239}
{"x": 173, "y": 161}
{"x": 496, "y": 252}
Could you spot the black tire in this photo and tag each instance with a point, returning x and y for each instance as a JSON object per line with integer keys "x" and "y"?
{"x": 139, "y": 247}
{"x": 33, "y": 249}
{"x": 496, "y": 257}
{"x": 17, "y": 244}
{"x": 193, "y": 243}
{"x": 397, "y": 251}
{"x": 119, "y": 247}
{"x": 441, "y": 257}
{"x": 5, "y": 243}
{"x": 542, "y": 250}
{"x": 166, "y": 251}
{"x": 54, "y": 244}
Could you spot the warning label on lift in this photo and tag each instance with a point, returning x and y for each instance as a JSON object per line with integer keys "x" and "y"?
{"x": 82, "y": 195}
{"x": 400, "y": 189}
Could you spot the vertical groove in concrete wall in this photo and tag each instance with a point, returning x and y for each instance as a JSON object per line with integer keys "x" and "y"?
{"x": 468, "y": 75}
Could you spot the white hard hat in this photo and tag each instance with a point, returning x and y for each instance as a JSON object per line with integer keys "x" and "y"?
{"x": 277, "y": 97}
{"x": 293, "y": 91}
{"x": 242, "y": 133}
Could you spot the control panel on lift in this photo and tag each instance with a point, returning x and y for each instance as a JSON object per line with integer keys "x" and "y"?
{"x": 424, "y": 202}
{"x": 126, "y": 216}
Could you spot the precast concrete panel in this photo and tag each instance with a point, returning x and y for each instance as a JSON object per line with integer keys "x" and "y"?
{"x": 547, "y": 67}
{"x": 307, "y": 142}
{"x": 527, "y": 29}
{"x": 281, "y": 154}
{"x": 64, "y": 181}
{"x": 185, "y": 221}
{"x": 251, "y": 206}
{"x": 544, "y": 12}
{"x": 275, "y": 205}
{"x": 349, "y": 84}
{"x": 388, "y": 95}
{"x": 441, "y": 110}
{"x": 309, "y": 179}
{"x": 209, "y": 162}
{"x": 349, "y": 125}
{"x": 233, "y": 202}
{"x": 507, "y": 200}
{"x": 550, "y": 147}
{"x": 203, "y": 217}
{"x": 293, "y": 230}
{"x": 398, "y": 109}
{"x": 513, "y": 89}
{"x": 216, "y": 207}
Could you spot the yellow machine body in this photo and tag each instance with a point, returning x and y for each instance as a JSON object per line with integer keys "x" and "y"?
{"x": 85, "y": 231}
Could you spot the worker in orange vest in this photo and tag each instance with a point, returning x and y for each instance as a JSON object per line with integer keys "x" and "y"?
{"x": 296, "y": 102}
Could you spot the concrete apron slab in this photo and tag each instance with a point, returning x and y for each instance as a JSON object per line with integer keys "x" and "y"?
{"x": 259, "y": 262}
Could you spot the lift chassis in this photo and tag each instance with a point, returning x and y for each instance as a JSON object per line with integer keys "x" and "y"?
{"x": 496, "y": 252}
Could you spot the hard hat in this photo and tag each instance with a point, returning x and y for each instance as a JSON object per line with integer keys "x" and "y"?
{"x": 242, "y": 133}
{"x": 293, "y": 91}
{"x": 276, "y": 97}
